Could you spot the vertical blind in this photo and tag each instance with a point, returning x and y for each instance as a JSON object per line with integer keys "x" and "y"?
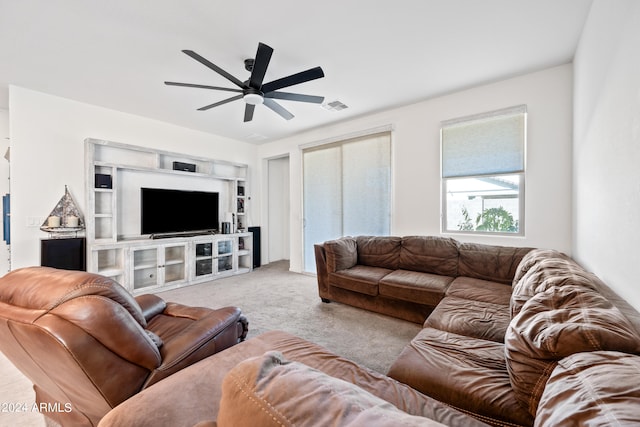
{"x": 346, "y": 190}
{"x": 490, "y": 143}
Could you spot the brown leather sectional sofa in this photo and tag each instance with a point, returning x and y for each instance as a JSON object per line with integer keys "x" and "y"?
{"x": 513, "y": 336}
{"x": 276, "y": 379}
{"x": 406, "y": 277}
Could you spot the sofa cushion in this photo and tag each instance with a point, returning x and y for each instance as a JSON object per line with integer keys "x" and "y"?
{"x": 272, "y": 391}
{"x": 548, "y": 273}
{"x": 556, "y": 323}
{"x": 341, "y": 253}
{"x": 535, "y": 256}
{"x": 422, "y": 288}
{"x": 360, "y": 278}
{"x": 488, "y": 262}
{"x": 596, "y": 388}
{"x": 478, "y": 319}
{"x": 480, "y": 290}
{"x": 465, "y": 372}
{"x": 379, "y": 251}
{"x": 428, "y": 254}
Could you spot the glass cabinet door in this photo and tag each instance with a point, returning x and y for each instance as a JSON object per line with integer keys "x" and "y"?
{"x": 204, "y": 259}
{"x": 145, "y": 267}
{"x": 174, "y": 263}
{"x": 225, "y": 255}
{"x": 158, "y": 265}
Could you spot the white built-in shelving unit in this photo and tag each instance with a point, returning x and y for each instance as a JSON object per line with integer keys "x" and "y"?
{"x": 115, "y": 247}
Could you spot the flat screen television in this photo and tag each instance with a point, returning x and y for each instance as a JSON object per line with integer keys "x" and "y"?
{"x": 165, "y": 211}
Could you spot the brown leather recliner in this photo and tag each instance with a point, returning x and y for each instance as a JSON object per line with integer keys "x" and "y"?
{"x": 87, "y": 344}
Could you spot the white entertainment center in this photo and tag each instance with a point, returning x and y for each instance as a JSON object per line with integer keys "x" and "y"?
{"x": 115, "y": 174}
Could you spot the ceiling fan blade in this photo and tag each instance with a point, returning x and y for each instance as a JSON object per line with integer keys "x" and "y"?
{"x": 214, "y": 67}
{"x": 202, "y": 86}
{"x": 295, "y": 97}
{"x": 294, "y": 79}
{"x": 283, "y": 112}
{"x": 248, "y": 112}
{"x": 224, "y": 101}
{"x": 260, "y": 64}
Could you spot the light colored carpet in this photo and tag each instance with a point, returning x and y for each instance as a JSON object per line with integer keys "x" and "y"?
{"x": 271, "y": 297}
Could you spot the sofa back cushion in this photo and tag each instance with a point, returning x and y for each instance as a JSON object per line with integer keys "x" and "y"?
{"x": 273, "y": 391}
{"x": 489, "y": 262}
{"x": 556, "y": 323}
{"x": 533, "y": 257}
{"x": 379, "y": 251}
{"x": 429, "y": 254}
{"x": 341, "y": 254}
{"x": 544, "y": 269}
{"x": 596, "y": 388}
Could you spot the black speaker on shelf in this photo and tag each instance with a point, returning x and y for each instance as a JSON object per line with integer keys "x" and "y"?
{"x": 181, "y": 166}
{"x": 256, "y": 246}
{"x": 103, "y": 181}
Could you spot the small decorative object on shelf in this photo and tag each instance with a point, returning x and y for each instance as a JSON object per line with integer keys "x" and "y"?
{"x": 65, "y": 219}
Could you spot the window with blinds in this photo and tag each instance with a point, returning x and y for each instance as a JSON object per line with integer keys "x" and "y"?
{"x": 483, "y": 169}
{"x": 346, "y": 190}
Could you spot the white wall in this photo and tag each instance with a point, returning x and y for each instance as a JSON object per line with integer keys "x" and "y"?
{"x": 47, "y": 152}
{"x": 278, "y": 208}
{"x": 48, "y": 155}
{"x": 606, "y": 153}
{"x": 4, "y": 183}
{"x": 129, "y": 185}
{"x": 416, "y": 158}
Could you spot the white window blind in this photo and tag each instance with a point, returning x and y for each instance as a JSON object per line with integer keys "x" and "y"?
{"x": 346, "y": 190}
{"x": 486, "y": 144}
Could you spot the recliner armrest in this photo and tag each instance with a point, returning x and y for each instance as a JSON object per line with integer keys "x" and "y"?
{"x": 151, "y": 305}
{"x": 208, "y": 334}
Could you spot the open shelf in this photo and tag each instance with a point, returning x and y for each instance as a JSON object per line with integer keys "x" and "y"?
{"x": 114, "y": 172}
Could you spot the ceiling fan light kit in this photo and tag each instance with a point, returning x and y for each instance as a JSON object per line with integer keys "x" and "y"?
{"x": 253, "y": 98}
{"x": 253, "y": 91}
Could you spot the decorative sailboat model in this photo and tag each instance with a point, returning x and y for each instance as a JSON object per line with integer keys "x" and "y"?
{"x": 65, "y": 218}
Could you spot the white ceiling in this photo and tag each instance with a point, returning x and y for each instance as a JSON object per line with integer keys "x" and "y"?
{"x": 375, "y": 55}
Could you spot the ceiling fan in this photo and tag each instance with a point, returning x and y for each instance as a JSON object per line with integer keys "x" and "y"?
{"x": 253, "y": 91}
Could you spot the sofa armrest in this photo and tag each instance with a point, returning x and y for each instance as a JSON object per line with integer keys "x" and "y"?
{"x": 321, "y": 270}
{"x": 341, "y": 254}
{"x": 600, "y": 387}
{"x": 151, "y": 305}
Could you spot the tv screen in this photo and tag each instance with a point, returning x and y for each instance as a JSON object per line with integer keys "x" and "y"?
{"x": 177, "y": 211}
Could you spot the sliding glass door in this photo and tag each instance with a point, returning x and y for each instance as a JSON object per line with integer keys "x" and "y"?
{"x": 346, "y": 191}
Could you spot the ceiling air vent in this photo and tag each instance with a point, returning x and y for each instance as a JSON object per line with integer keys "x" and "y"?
{"x": 256, "y": 137}
{"x": 334, "y": 106}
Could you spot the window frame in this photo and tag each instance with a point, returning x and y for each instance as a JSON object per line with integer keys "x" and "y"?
{"x": 505, "y": 112}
